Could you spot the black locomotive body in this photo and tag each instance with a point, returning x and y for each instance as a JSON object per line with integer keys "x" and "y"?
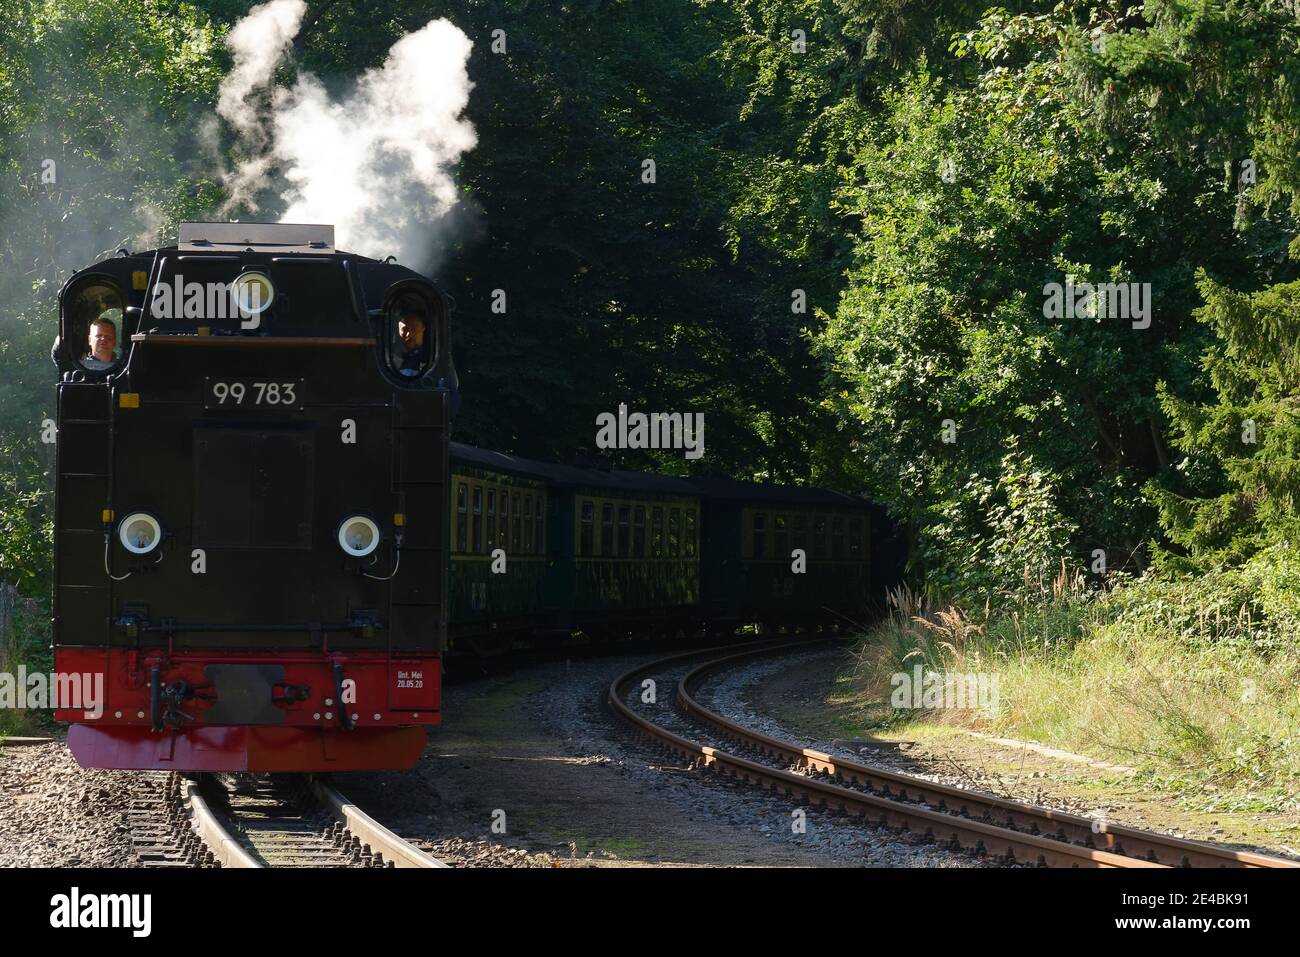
{"x": 250, "y": 503}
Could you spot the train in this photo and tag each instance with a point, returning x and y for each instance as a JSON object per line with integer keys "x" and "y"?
{"x": 267, "y": 546}
{"x": 542, "y": 552}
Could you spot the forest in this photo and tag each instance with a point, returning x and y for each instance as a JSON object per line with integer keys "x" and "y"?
{"x": 1027, "y": 275}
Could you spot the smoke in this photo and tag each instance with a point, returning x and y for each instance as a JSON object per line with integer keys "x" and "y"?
{"x": 375, "y": 161}
{"x": 257, "y": 43}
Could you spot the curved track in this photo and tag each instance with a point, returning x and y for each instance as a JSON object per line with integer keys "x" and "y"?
{"x": 971, "y": 820}
{"x": 294, "y": 821}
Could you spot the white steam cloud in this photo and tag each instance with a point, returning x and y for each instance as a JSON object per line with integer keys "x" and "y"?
{"x": 258, "y": 42}
{"x": 375, "y": 161}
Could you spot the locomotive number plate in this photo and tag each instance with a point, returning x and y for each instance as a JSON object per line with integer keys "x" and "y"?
{"x": 283, "y": 394}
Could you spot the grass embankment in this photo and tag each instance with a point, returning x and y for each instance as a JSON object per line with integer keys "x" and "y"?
{"x": 1194, "y": 682}
{"x": 24, "y": 640}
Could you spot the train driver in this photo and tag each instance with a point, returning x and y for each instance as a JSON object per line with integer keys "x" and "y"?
{"x": 103, "y": 343}
{"x": 415, "y": 354}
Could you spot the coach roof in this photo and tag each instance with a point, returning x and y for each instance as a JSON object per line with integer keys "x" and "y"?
{"x": 572, "y": 476}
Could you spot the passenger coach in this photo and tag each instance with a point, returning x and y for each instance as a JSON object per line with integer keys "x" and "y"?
{"x": 542, "y": 553}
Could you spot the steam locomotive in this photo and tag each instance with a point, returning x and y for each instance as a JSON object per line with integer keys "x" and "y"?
{"x": 266, "y": 543}
{"x": 250, "y": 538}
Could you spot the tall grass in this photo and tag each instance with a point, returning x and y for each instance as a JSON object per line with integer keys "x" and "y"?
{"x": 1168, "y": 676}
{"x": 24, "y": 640}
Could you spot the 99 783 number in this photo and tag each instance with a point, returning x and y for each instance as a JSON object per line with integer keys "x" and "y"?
{"x": 253, "y": 393}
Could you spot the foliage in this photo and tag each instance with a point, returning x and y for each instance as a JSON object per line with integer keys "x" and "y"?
{"x": 917, "y": 173}
{"x": 96, "y": 99}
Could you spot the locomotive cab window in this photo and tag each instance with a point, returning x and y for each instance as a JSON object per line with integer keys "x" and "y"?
{"x": 93, "y": 325}
{"x": 412, "y": 334}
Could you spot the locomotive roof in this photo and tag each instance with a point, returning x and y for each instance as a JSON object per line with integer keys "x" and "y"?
{"x": 260, "y": 237}
{"x": 291, "y": 239}
{"x": 625, "y": 480}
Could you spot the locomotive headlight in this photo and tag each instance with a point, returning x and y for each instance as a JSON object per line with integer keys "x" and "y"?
{"x": 254, "y": 293}
{"x": 358, "y": 536}
{"x": 139, "y": 533}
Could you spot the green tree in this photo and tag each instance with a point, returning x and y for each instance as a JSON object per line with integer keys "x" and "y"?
{"x": 971, "y": 199}
{"x": 97, "y": 102}
{"x": 1217, "y": 84}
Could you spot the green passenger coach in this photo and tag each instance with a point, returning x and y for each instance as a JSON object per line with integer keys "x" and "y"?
{"x": 544, "y": 551}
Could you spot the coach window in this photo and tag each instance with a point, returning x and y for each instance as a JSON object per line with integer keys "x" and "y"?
{"x": 503, "y": 530}
{"x": 657, "y": 531}
{"x": 690, "y": 533}
{"x": 461, "y": 523}
{"x": 780, "y": 537}
{"x": 638, "y": 532}
{"x": 491, "y": 518}
{"x": 607, "y": 530}
{"x": 760, "y": 535}
{"x": 624, "y": 531}
{"x": 799, "y": 526}
{"x": 539, "y": 528}
{"x": 528, "y": 525}
{"x": 411, "y": 335}
{"x": 837, "y": 538}
{"x": 819, "y": 536}
{"x": 586, "y": 534}
{"x": 516, "y": 539}
{"x": 674, "y": 532}
{"x": 476, "y": 528}
{"x": 93, "y": 325}
{"x": 855, "y": 540}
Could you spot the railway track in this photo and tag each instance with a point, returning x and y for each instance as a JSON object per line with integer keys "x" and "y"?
{"x": 160, "y": 825}
{"x": 985, "y": 824}
{"x": 288, "y": 821}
